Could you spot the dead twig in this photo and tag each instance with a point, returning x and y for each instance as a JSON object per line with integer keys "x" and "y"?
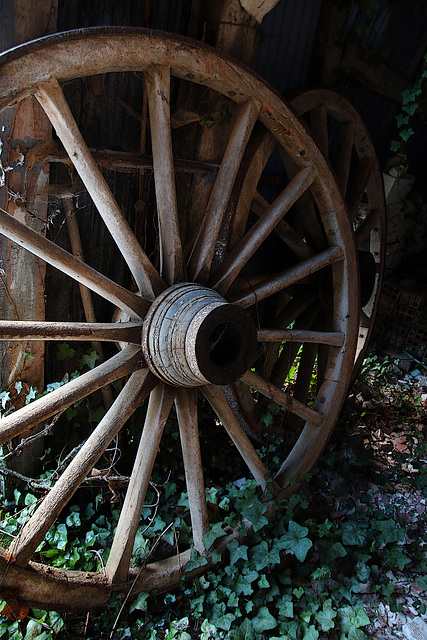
{"x": 134, "y": 581}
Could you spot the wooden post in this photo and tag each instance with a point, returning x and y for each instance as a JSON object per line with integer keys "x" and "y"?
{"x": 328, "y": 48}
{"x": 24, "y": 193}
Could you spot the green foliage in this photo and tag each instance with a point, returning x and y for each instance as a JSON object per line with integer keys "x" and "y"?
{"x": 295, "y": 540}
{"x": 410, "y": 105}
{"x": 65, "y": 351}
{"x": 295, "y": 577}
{"x": 42, "y": 625}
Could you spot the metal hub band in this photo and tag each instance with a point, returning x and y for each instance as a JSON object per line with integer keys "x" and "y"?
{"x": 193, "y": 336}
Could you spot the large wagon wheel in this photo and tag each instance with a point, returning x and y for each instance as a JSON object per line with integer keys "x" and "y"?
{"x": 198, "y": 323}
{"x": 343, "y": 137}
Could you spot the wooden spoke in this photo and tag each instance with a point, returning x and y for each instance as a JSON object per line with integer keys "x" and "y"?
{"x": 68, "y": 264}
{"x": 332, "y": 338}
{"x": 186, "y": 408}
{"x": 159, "y": 406}
{"x": 52, "y": 100}
{"x": 344, "y": 153}
{"x": 158, "y": 88}
{"x": 129, "y": 399}
{"x": 60, "y": 399}
{"x": 202, "y": 254}
{"x": 309, "y": 224}
{"x": 216, "y": 398}
{"x": 290, "y": 276}
{"x": 319, "y": 127}
{"x": 283, "y": 398}
{"x": 238, "y": 258}
{"x": 99, "y": 331}
{"x": 358, "y": 186}
{"x": 258, "y": 151}
{"x": 284, "y": 230}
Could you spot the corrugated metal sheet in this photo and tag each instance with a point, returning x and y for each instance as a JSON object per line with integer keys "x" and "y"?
{"x": 398, "y": 36}
{"x": 397, "y": 33}
{"x": 284, "y": 54}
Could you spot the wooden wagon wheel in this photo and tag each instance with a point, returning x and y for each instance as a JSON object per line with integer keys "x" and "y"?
{"x": 343, "y": 137}
{"x": 199, "y": 323}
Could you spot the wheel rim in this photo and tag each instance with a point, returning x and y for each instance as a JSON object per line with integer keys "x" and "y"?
{"x": 232, "y": 283}
{"x": 362, "y": 186}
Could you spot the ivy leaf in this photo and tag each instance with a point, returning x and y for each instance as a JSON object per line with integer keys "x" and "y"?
{"x": 331, "y": 553}
{"x": 326, "y": 616}
{"x": 249, "y": 605}
{"x": 267, "y": 419}
{"x": 295, "y": 540}
{"x": 73, "y": 520}
{"x": 60, "y": 537}
{"x": 34, "y": 630}
{"x": 54, "y": 385}
{"x": 324, "y": 528}
{"x": 356, "y": 634}
{"x": 263, "y": 583}
{"x": 395, "y": 145}
{"x": 395, "y": 557}
{"x": 285, "y": 606}
{"x": 311, "y": 633}
{"x": 221, "y": 619}
{"x": 320, "y": 573}
{"x": 89, "y": 359}
{"x": 410, "y": 110}
{"x": 261, "y": 556}
{"x": 254, "y": 513}
{"x": 353, "y": 534}
{"x": 55, "y": 621}
{"x": 195, "y": 561}
{"x": 5, "y": 397}
{"x": 422, "y": 582}
{"x": 298, "y": 593}
{"x": 18, "y": 387}
{"x": 237, "y": 551}
{"x": 243, "y": 584}
{"x": 387, "y": 589}
{"x": 233, "y": 600}
{"x": 409, "y": 95}
{"x": 216, "y": 531}
{"x": 244, "y": 632}
{"x": 140, "y": 603}
{"x": 402, "y": 119}
{"x": 389, "y": 531}
{"x": 65, "y": 351}
{"x": 352, "y": 617}
{"x": 183, "y": 500}
{"x": 290, "y": 629}
{"x": 406, "y": 134}
{"x": 263, "y": 621}
{"x": 30, "y": 395}
{"x": 363, "y": 571}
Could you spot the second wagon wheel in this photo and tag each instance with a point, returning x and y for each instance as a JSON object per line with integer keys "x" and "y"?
{"x": 341, "y": 134}
{"x": 196, "y": 320}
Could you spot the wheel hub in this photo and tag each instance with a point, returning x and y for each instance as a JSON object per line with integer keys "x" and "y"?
{"x": 192, "y": 336}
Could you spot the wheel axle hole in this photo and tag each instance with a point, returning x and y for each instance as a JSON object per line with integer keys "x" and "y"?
{"x": 225, "y": 345}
